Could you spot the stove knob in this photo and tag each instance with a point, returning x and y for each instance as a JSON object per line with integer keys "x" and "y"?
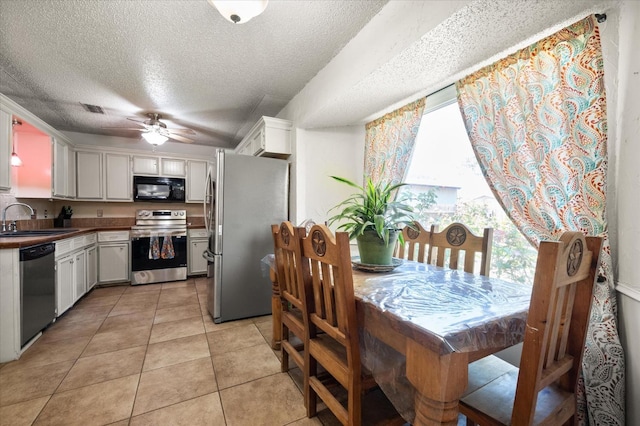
{"x": 181, "y": 213}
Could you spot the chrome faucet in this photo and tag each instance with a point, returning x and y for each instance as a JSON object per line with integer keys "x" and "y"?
{"x": 4, "y": 216}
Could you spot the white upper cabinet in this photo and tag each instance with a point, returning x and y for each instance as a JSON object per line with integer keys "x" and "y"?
{"x": 103, "y": 176}
{"x": 63, "y": 164}
{"x": 119, "y": 186}
{"x": 145, "y": 165}
{"x": 196, "y": 177}
{"x": 173, "y": 167}
{"x": 89, "y": 175}
{"x": 5, "y": 150}
{"x": 269, "y": 137}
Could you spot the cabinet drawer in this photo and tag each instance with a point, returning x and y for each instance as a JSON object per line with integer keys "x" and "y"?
{"x": 197, "y": 233}
{"x": 113, "y": 236}
{"x": 63, "y": 247}
{"x": 89, "y": 239}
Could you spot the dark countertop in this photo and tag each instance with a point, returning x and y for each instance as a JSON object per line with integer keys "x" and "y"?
{"x": 18, "y": 242}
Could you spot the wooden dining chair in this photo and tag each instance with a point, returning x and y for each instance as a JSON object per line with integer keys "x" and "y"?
{"x": 416, "y": 243}
{"x": 330, "y": 308}
{"x": 286, "y": 245}
{"x": 542, "y": 390}
{"x": 457, "y": 238}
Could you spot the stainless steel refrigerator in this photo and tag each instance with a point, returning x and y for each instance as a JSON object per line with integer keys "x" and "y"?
{"x": 245, "y": 195}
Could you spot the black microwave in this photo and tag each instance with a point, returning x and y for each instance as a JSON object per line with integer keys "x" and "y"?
{"x": 162, "y": 189}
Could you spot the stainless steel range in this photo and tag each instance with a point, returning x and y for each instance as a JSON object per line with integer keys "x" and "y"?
{"x": 159, "y": 246}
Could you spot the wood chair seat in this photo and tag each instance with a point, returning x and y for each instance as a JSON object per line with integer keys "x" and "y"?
{"x": 497, "y": 397}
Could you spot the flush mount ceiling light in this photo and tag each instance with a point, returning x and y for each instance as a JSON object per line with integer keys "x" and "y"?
{"x": 154, "y": 137}
{"x": 239, "y": 11}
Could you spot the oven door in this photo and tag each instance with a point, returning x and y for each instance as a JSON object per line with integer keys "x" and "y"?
{"x": 158, "y": 257}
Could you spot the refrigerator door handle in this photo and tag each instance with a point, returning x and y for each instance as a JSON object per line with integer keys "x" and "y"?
{"x": 207, "y": 202}
{"x": 207, "y": 255}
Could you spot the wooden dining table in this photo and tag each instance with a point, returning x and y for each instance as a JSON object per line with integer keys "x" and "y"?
{"x": 421, "y": 325}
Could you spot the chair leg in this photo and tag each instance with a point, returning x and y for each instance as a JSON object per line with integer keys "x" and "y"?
{"x": 310, "y": 396}
{"x": 354, "y": 399}
{"x": 284, "y": 363}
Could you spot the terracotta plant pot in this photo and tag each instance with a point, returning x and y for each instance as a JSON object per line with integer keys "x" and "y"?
{"x": 373, "y": 250}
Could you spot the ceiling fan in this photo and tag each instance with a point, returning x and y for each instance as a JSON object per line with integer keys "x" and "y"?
{"x": 156, "y": 132}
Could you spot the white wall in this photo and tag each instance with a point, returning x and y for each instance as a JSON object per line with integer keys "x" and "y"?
{"x": 323, "y": 153}
{"x": 620, "y": 35}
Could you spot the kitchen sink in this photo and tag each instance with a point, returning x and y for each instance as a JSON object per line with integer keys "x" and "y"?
{"x": 36, "y": 232}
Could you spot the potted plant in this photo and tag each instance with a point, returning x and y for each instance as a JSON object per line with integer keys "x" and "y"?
{"x": 374, "y": 218}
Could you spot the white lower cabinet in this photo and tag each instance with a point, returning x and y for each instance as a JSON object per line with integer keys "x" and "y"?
{"x": 91, "y": 254}
{"x": 72, "y": 270}
{"x": 198, "y": 242}
{"x": 64, "y": 284}
{"x": 79, "y": 275}
{"x": 113, "y": 257}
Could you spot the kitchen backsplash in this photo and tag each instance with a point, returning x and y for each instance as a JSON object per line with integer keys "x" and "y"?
{"x": 84, "y": 212}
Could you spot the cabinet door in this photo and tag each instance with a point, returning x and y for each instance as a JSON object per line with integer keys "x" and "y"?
{"x": 197, "y": 175}
{"x": 89, "y": 172}
{"x": 92, "y": 266}
{"x": 196, "y": 263}
{"x": 64, "y": 284}
{"x": 6, "y": 139}
{"x": 60, "y": 168}
{"x": 113, "y": 262}
{"x": 79, "y": 275}
{"x": 172, "y": 167}
{"x": 145, "y": 165}
{"x": 118, "y": 178}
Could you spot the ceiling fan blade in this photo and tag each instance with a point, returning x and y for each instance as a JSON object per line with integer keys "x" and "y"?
{"x": 181, "y": 131}
{"x": 180, "y": 138}
{"x": 125, "y": 128}
{"x": 136, "y": 120}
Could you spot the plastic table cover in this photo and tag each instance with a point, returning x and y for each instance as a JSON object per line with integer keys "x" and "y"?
{"x": 465, "y": 312}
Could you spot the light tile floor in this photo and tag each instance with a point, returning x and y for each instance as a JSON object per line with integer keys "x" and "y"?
{"x": 151, "y": 355}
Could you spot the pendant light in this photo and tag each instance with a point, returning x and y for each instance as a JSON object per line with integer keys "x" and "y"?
{"x": 239, "y": 11}
{"x": 15, "y": 160}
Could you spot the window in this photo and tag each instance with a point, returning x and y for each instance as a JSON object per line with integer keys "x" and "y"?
{"x": 445, "y": 185}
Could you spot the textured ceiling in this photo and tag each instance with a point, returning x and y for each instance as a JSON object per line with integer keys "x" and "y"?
{"x": 331, "y": 63}
{"x": 179, "y": 58}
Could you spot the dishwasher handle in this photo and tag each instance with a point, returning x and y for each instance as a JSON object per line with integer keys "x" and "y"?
{"x": 36, "y": 252}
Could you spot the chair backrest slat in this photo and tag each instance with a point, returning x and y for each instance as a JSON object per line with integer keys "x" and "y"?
{"x": 457, "y": 238}
{"x": 416, "y": 243}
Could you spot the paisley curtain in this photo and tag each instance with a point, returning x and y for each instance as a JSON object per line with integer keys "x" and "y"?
{"x": 389, "y": 143}
{"x": 537, "y": 123}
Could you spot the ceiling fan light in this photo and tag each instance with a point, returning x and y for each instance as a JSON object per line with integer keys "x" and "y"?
{"x": 15, "y": 160}
{"x": 154, "y": 138}
{"x": 239, "y": 11}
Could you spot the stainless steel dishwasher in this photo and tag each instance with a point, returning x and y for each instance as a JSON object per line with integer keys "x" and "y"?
{"x": 37, "y": 289}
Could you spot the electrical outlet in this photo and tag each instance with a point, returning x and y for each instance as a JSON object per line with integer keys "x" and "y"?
{"x": 99, "y": 212}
